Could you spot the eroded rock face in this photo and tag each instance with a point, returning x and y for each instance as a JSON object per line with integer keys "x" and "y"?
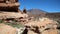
{"x": 5, "y": 29}
{"x": 8, "y": 9}
{"x": 45, "y": 25}
{"x": 9, "y": 5}
{"x": 12, "y": 15}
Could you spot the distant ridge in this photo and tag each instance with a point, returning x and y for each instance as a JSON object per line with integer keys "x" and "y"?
{"x": 36, "y": 11}
{"x": 39, "y": 12}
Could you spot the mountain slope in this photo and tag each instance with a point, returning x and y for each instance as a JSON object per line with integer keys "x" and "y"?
{"x": 36, "y": 12}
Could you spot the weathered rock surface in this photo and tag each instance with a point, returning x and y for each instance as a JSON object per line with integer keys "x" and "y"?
{"x": 5, "y": 29}
{"x": 51, "y": 31}
{"x": 44, "y": 26}
{"x": 9, "y": 5}
{"x": 12, "y": 15}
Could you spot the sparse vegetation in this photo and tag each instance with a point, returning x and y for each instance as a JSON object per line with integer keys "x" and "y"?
{"x": 13, "y": 24}
{"x": 1, "y": 21}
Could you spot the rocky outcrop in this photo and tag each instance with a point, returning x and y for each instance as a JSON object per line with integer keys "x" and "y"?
{"x": 10, "y": 14}
{"x": 4, "y": 15}
{"x": 9, "y": 5}
{"x": 42, "y": 26}
{"x": 9, "y": 9}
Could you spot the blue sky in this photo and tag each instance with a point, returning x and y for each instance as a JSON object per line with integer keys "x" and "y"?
{"x": 46, "y": 5}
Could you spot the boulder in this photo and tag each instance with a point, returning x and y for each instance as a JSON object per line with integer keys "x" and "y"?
{"x": 6, "y": 29}
{"x": 51, "y": 31}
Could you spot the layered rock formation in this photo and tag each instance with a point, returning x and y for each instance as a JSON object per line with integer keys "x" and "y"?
{"x": 9, "y": 9}
{"x": 9, "y": 5}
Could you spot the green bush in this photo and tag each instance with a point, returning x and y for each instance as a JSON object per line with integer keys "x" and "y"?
{"x": 1, "y": 21}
